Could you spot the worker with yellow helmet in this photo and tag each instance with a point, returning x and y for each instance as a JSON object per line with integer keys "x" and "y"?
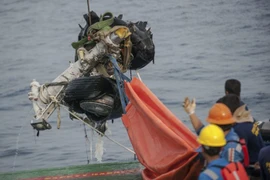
{"x": 220, "y": 115}
{"x": 212, "y": 140}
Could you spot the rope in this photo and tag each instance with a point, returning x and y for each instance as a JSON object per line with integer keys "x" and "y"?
{"x": 44, "y": 88}
{"x": 57, "y": 103}
{"x": 42, "y": 95}
{"x": 98, "y": 130}
{"x": 137, "y": 72}
{"x": 58, "y": 117}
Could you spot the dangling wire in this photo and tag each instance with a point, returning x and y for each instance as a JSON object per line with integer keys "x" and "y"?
{"x": 18, "y": 140}
{"x": 86, "y": 141}
{"x": 77, "y": 117}
{"x": 91, "y": 144}
{"x": 130, "y": 74}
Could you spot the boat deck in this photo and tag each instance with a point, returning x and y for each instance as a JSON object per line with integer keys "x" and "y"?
{"x": 119, "y": 171}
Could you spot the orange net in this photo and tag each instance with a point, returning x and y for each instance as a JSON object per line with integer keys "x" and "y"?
{"x": 163, "y": 144}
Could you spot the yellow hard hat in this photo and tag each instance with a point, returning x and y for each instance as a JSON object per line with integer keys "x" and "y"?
{"x": 212, "y": 135}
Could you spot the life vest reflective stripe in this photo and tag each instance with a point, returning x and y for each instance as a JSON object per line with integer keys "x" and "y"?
{"x": 239, "y": 148}
{"x": 211, "y": 174}
{"x": 231, "y": 154}
{"x": 241, "y": 145}
{"x": 235, "y": 175}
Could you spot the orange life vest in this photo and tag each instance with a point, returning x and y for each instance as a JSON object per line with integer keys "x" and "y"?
{"x": 233, "y": 171}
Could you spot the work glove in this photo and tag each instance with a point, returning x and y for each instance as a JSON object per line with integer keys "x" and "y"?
{"x": 189, "y": 106}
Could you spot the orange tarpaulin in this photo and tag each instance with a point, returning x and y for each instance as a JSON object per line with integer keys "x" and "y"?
{"x": 163, "y": 144}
